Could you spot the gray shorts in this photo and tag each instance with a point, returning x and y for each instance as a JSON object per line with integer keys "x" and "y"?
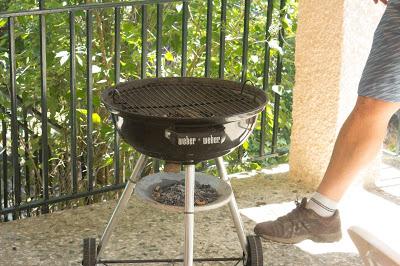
{"x": 381, "y": 75}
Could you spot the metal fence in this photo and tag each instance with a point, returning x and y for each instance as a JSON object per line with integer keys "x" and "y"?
{"x": 18, "y": 199}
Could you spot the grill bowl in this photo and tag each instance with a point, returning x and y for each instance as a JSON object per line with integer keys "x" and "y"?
{"x": 185, "y": 100}
{"x": 185, "y": 120}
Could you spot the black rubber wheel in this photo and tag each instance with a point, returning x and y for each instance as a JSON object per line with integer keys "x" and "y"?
{"x": 89, "y": 252}
{"x": 254, "y": 251}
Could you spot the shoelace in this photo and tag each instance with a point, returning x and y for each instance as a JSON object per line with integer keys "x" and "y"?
{"x": 297, "y": 202}
{"x": 295, "y": 211}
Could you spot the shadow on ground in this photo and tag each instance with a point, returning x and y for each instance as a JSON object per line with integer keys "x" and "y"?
{"x": 143, "y": 232}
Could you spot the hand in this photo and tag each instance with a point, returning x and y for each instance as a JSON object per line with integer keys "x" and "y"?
{"x": 383, "y": 1}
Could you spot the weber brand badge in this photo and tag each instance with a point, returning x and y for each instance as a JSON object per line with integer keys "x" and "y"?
{"x": 206, "y": 140}
{"x": 187, "y": 139}
{"x": 212, "y": 140}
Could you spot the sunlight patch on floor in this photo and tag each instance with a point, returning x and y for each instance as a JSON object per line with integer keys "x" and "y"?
{"x": 389, "y": 180}
{"x": 378, "y": 216}
{"x": 267, "y": 212}
{"x": 279, "y": 169}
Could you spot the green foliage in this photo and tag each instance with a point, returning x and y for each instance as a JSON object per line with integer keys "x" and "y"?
{"x": 58, "y": 78}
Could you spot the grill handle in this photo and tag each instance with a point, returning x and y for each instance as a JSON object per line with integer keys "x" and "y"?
{"x": 115, "y": 91}
{"x": 114, "y": 119}
{"x": 191, "y": 137}
{"x": 244, "y": 84}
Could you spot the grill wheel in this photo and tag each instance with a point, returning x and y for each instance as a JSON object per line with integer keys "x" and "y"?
{"x": 89, "y": 252}
{"x": 254, "y": 251}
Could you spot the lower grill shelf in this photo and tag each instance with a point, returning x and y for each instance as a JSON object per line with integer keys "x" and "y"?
{"x": 145, "y": 186}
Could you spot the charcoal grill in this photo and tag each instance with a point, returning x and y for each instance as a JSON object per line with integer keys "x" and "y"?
{"x": 185, "y": 120}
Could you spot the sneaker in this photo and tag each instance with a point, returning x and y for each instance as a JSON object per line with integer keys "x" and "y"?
{"x": 301, "y": 224}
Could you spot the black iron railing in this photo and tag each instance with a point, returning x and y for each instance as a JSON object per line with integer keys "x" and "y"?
{"x": 20, "y": 197}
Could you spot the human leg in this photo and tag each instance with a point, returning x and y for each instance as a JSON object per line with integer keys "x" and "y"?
{"x": 357, "y": 144}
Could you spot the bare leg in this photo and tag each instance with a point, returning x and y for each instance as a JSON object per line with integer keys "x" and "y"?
{"x": 358, "y": 142}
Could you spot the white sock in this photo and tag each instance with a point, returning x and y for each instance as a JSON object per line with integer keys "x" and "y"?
{"x": 322, "y": 205}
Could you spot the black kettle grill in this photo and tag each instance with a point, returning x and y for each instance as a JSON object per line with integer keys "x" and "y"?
{"x": 185, "y": 120}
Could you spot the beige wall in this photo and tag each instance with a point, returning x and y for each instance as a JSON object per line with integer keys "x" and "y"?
{"x": 332, "y": 44}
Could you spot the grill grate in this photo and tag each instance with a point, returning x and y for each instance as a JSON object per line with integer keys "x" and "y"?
{"x": 187, "y": 98}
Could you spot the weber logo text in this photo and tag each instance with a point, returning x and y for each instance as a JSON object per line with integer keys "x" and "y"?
{"x": 188, "y": 141}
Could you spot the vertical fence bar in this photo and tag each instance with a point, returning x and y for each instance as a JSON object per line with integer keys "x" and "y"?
{"x": 5, "y": 166}
{"x": 208, "y": 38}
{"x": 14, "y": 121}
{"x": 207, "y": 63}
{"x": 160, "y": 11}
{"x": 267, "y": 58}
{"x": 72, "y": 85}
{"x": 117, "y": 73}
{"x": 43, "y": 81}
{"x": 245, "y": 44}
{"x": 2, "y": 150}
{"x": 26, "y": 155}
{"x": 89, "y": 87}
{"x": 117, "y": 52}
{"x": 143, "y": 70}
{"x": 26, "y": 158}
{"x": 185, "y": 12}
{"x": 36, "y": 159}
{"x": 278, "y": 81}
{"x": 245, "y": 39}
{"x": 222, "y": 34}
{"x": 144, "y": 43}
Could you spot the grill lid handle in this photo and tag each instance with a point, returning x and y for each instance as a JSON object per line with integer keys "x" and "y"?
{"x": 244, "y": 84}
{"x": 115, "y": 91}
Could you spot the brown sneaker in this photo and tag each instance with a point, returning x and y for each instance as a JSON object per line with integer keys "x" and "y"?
{"x": 301, "y": 224}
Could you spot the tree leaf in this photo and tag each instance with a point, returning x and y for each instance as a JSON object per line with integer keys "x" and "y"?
{"x": 96, "y": 69}
{"x": 278, "y": 89}
{"x": 254, "y": 58}
{"x": 169, "y": 56}
{"x": 179, "y": 7}
{"x": 96, "y": 118}
{"x": 63, "y": 60}
{"x": 62, "y": 54}
{"x": 80, "y": 62}
{"x": 82, "y": 111}
{"x": 3, "y": 22}
{"x": 246, "y": 145}
{"x": 274, "y": 45}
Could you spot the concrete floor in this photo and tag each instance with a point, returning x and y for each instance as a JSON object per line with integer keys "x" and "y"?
{"x": 143, "y": 232}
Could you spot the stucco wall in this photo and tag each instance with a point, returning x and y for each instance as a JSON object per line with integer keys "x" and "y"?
{"x": 332, "y": 44}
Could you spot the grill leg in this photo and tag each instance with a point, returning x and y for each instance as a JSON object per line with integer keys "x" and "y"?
{"x": 189, "y": 214}
{"x": 233, "y": 206}
{"x": 123, "y": 201}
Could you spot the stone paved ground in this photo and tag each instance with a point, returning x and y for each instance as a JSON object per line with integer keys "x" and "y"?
{"x": 55, "y": 239}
